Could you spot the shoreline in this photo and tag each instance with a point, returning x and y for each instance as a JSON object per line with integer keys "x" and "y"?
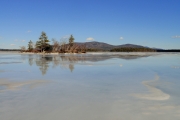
{"x": 92, "y": 53}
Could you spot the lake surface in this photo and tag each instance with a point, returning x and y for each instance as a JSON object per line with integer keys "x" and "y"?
{"x": 93, "y": 86}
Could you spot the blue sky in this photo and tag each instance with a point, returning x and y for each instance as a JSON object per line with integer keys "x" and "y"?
{"x": 153, "y": 23}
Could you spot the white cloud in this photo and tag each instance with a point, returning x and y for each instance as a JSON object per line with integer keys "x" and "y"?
{"x": 121, "y": 38}
{"x": 90, "y": 39}
{"x": 176, "y": 36}
{"x": 12, "y": 44}
{"x": 29, "y": 31}
{"x": 23, "y": 40}
{"x": 16, "y": 40}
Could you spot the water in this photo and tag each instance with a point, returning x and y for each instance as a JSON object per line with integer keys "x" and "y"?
{"x": 93, "y": 86}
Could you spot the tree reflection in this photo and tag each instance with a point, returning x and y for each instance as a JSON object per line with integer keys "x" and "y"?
{"x": 31, "y": 60}
{"x": 56, "y": 61}
{"x": 43, "y": 63}
{"x": 68, "y": 61}
{"x": 71, "y": 67}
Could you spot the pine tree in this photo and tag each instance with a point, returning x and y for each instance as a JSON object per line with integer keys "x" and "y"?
{"x": 43, "y": 42}
{"x": 30, "y": 45}
{"x": 71, "y": 40}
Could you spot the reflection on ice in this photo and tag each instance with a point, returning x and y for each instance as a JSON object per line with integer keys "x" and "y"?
{"x": 69, "y": 60}
{"x": 155, "y": 93}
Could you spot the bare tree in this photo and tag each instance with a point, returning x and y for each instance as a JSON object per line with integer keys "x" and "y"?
{"x": 56, "y": 45}
{"x": 23, "y": 48}
{"x": 62, "y": 46}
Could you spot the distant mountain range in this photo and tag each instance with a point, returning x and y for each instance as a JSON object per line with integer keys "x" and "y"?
{"x": 107, "y": 47}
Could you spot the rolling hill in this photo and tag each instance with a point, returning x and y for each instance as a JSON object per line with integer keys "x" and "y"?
{"x": 107, "y": 47}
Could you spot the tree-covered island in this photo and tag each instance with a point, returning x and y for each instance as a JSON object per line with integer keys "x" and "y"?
{"x": 43, "y": 46}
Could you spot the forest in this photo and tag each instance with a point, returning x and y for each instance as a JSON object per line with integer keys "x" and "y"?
{"x": 128, "y": 49}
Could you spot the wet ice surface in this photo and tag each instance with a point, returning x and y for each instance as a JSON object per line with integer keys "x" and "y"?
{"x": 93, "y": 86}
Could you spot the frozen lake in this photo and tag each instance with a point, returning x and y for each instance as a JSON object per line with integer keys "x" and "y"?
{"x": 92, "y": 86}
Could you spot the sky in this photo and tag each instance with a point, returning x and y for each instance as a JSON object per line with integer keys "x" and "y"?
{"x": 152, "y": 23}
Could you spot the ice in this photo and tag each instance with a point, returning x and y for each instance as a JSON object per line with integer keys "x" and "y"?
{"x": 91, "y": 86}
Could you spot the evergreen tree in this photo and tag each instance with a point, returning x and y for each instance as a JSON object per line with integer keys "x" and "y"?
{"x": 30, "y": 45}
{"x": 71, "y": 40}
{"x": 43, "y": 42}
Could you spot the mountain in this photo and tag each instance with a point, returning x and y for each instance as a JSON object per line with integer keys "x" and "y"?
{"x": 106, "y": 47}
{"x": 130, "y": 46}
{"x": 99, "y": 45}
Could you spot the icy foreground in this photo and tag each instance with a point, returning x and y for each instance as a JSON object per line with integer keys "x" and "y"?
{"x": 92, "y": 86}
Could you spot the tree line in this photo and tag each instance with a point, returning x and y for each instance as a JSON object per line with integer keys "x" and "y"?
{"x": 129, "y": 49}
{"x": 124, "y": 49}
{"x": 43, "y": 46}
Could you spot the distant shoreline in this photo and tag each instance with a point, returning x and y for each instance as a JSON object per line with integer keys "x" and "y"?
{"x": 92, "y": 53}
{"x": 115, "y": 50}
